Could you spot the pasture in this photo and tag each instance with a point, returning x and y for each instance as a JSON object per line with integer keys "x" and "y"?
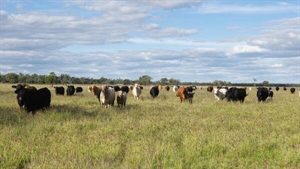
{"x": 76, "y": 132}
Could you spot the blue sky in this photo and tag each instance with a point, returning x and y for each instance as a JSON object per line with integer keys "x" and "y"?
{"x": 189, "y": 40}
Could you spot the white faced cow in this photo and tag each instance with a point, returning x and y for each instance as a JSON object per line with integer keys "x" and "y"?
{"x": 107, "y": 96}
{"x": 136, "y": 91}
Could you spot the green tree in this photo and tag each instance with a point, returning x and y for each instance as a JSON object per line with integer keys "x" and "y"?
{"x": 12, "y": 77}
{"x": 145, "y": 80}
{"x": 265, "y": 83}
{"x": 174, "y": 81}
{"x": 127, "y": 81}
{"x": 164, "y": 81}
{"x": 103, "y": 80}
{"x": 51, "y": 78}
{"x": 65, "y": 78}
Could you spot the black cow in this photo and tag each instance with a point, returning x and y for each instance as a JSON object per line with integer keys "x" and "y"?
{"x": 78, "y": 89}
{"x": 125, "y": 89}
{"x": 31, "y": 98}
{"x": 262, "y": 93}
{"x": 292, "y": 90}
{"x": 20, "y": 93}
{"x": 284, "y": 88}
{"x": 70, "y": 90}
{"x": 59, "y": 90}
{"x": 154, "y": 91}
{"x": 116, "y": 88}
{"x": 236, "y": 94}
{"x": 277, "y": 88}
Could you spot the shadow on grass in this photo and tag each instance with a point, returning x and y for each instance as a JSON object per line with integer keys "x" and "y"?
{"x": 18, "y": 116}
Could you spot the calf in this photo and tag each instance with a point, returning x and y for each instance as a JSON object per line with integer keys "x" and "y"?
{"x": 121, "y": 98}
{"x": 270, "y": 95}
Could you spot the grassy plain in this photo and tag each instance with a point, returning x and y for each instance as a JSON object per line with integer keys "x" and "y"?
{"x": 151, "y": 133}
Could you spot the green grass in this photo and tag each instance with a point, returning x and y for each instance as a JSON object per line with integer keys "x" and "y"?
{"x": 151, "y": 133}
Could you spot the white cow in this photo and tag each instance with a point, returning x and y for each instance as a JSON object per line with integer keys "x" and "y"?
{"x": 107, "y": 96}
{"x": 175, "y": 88}
{"x": 220, "y": 93}
{"x": 136, "y": 91}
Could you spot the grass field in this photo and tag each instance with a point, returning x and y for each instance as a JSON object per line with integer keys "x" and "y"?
{"x": 151, "y": 133}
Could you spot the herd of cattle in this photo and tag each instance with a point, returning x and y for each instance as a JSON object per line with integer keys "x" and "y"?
{"x": 33, "y": 99}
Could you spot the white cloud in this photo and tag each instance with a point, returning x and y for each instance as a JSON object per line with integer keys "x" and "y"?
{"x": 218, "y": 8}
{"x": 247, "y": 49}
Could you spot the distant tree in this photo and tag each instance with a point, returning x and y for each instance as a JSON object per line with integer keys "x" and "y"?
{"x": 127, "y": 81}
{"x": 65, "y": 79}
{"x": 103, "y": 80}
{"x": 164, "y": 81}
{"x": 12, "y": 77}
{"x": 2, "y": 78}
{"x": 145, "y": 80}
{"x": 265, "y": 83}
{"x": 174, "y": 81}
{"x": 51, "y": 78}
{"x": 219, "y": 83}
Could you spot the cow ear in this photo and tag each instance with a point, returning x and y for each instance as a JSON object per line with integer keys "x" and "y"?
{"x": 14, "y": 86}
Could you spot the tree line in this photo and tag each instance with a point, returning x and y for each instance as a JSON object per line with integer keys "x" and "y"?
{"x": 53, "y": 79}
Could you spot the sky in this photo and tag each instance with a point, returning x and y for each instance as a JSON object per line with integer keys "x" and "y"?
{"x": 189, "y": 40}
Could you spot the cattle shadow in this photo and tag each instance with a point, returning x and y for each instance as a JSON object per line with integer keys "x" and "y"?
{"x": 13, "y": 116}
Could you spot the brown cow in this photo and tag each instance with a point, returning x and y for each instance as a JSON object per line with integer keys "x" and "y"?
{"x": 210, "y": 88}
{"x": 185, "y": 93}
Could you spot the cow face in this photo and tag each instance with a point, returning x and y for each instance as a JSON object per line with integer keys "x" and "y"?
{"x": 18, "y": 88}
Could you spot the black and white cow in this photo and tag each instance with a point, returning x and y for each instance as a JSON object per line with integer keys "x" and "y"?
{"x": 220, "y": 93}
{"x": 31, "y": 98}
{"x": 125, "y": 89}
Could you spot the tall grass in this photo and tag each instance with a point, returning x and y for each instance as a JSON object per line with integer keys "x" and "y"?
{"x": 76, "y": 132}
